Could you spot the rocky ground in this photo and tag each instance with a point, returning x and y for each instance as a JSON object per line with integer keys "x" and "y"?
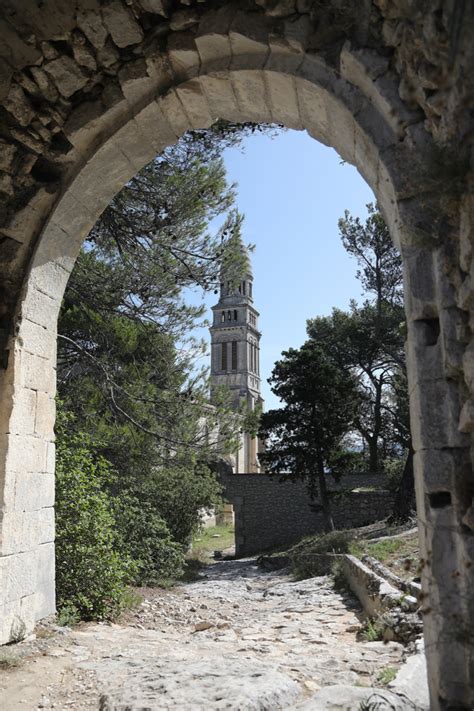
{"x": 238, "y": 638}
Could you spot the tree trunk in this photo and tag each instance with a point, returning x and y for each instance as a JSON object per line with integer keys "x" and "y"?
{"x": 404, "y": 497}
{"x": 323, "y": 493}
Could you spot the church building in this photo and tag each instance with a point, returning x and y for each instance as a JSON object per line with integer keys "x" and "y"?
{"x": 235, "y": 347}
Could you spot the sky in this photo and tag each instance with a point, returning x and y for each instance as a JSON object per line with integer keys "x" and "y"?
{"x": 292, "y": 191}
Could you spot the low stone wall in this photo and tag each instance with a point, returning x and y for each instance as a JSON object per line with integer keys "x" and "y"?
{"x": 270, "y": 512}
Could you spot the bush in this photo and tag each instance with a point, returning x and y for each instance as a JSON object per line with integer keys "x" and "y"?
{"x": 146, "y": 539}
{"x": 91, "y": 576}
{"x": 309, "y": 557}
{"x": 393, "y": 473}
{"x": 180, "y": 495}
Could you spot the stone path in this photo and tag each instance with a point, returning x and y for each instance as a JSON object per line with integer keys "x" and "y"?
{"x": 240, "y": 638}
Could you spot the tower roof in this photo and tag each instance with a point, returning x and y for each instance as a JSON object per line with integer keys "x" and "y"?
{"x": 235, "y": 260}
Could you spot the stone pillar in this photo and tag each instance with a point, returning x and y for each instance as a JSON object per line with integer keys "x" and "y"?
{"x": 27, "y": 482}
{"x": 437, "y": 333}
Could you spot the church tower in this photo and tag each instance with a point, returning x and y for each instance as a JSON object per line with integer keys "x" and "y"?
{"x": 235, "y": 344}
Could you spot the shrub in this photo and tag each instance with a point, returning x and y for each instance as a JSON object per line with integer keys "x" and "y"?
{"x": 91, "y": 576}
{"x": 393, "y": 473}
{"x": 309, "y": 557}
{"x": 180, "y": 495}
{"x": 145, "y": 537}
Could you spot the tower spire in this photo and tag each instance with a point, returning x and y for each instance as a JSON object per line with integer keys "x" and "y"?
{"x": 235, "y": 340}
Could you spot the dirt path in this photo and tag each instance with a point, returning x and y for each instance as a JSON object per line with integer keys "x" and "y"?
{"x": 239, "y": 638}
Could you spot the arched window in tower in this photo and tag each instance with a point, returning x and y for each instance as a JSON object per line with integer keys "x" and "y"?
{"x": 235, "y": 314}
{"x": 234, "y": 355}
{"x": 229, "y": 316}
{"x": 243, "y": 288}
{"x": 250, "y": 289}
{"x": 224, "y": 356}
{"x": 251, "y": 357}
{"x": 223, "y": 316}
{"x": 257, "y": 369}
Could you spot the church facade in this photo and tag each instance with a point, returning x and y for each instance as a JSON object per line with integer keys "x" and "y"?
{"x": 235, "y": 352}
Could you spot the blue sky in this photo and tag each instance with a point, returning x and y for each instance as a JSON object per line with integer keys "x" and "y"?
{"x": 292, "y": 191}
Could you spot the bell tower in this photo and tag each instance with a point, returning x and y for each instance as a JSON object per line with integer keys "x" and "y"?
{"x": 235, "y": 344}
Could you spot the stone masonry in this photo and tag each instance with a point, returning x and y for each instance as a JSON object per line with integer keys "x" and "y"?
{"x": 91, "y": 91}
{"x": 271, "y": 513}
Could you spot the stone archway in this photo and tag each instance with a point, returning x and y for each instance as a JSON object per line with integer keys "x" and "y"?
{"x": 92, "y": 91}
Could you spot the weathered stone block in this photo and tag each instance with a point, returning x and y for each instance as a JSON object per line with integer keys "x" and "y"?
{"x": 90, "y": 22}
{"x": 250, "y": 91}
{"x": 195, "y": 104}
{"x": 18, "y": 619}
{"x": 31, "y": 491}
{"x": 25, "y": 453}
{"x": 45, "y": 415}
{"x": 434, "y": 415}
{"x": 283, "y": 100}
{"x": 19, "y": 573}
{"x": 18, "y": 105}
{"x": 135, "y": 145}
{"x": 21, "y": 418}
{"x": 100, "y": 179}
{"x": 36, "y": 373}
{"x": 420, "y": 282}
{"x": 220, "y": 96}
{"x": 212, "y": 39}
{"x": 155, "y": 127}
{"x": 66, "y": 75}
{"x": 442, "y": 469}
{"x": 174, "y": 113}
{"x": 249, "y": 41}
{"x": 37, "y": 339}
{"x": 183, "y": 55}
{"x": 23, "y": 530}
{"x": 284, "y": 57}
{"x": 40, "y": 307}
{"x": 135, "y": 81}
{"x": 121, "y": 24}
{"x": 313, "y": 110}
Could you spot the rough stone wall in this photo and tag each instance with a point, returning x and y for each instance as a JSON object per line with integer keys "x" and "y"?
{"x": 90, "y": 91}
{"x": 271, "y": 513}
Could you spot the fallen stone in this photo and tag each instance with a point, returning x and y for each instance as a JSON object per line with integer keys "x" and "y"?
{"x": 202, "y": 626}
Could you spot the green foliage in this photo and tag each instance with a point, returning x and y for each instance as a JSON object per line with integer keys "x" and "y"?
{"x": 68, "y": 615}
{"x": 338, "y": 576}
{"x": 146, "y": 539}
{"x": 8, "y": 660}
{"x": 180, "y": 494}
{"x": 302, "y": 437}
{"x": 206, "y": 542}
{"x": 373, "y": 630}
{"x": 90, "y": 574}
{"x": 368, "y": 341}
{"x": 393, "y": 473}
{"x": 386, "y": 675}
{"x": 380, "y": 550}
{"x": 309, "y": 556}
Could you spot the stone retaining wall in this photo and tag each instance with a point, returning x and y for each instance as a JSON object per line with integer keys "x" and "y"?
{"x": 270, "y": 513}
